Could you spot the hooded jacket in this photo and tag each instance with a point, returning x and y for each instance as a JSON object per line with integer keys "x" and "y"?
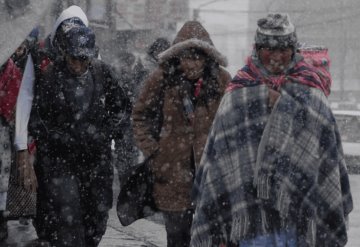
{"x": 161, "y": 127}
{"x": 25, "y": 99}
{"x": 61, "y": 122}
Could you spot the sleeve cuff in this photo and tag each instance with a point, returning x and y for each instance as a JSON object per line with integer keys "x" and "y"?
{"x": 19, "y": 147}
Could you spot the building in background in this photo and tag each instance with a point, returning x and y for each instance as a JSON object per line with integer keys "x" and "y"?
{"x": 227, "y": 23}
{"x": 329, "y": 23}
{"x": 133, "y": 24}
{"x": 17, "y": 19}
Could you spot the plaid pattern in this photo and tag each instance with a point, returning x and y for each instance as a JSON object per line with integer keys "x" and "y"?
{"x": 258, "y": 163}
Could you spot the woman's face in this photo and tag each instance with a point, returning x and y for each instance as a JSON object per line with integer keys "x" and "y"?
{"x": 192, "y": 67}
{"x": 275, "y": 60}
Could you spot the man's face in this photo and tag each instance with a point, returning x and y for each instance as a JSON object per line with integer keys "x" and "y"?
{"x": 275, "y": 60}
{"x": 192, "y": 67}
{"x": 77, "y": 66}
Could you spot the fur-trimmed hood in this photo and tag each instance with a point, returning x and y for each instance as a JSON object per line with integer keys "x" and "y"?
{"x": 193, "y": 35}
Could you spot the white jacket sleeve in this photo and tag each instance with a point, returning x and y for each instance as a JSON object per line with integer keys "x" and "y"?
{"x": 23, "y": 105}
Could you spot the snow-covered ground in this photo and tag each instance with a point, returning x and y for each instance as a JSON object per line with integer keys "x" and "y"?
{"x": 148, "y": 233}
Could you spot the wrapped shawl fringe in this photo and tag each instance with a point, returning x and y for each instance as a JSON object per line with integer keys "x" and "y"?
{"x": 282, "y": 204}
{"x": 311, "y": 234}
{"x": 201, "y": 242}
{"x": 240, "y": 226}
{"x": 263, "y": 186}
{"x": 282, "y": 199}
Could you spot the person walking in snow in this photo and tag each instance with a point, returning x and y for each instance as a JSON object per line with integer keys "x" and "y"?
{"x": 17, "y": 198}
{"x": 273, "y": 170}
{"x": 172, "y": 118}
{"x": 42, "y": 54}
{"x": 78, "y": 109}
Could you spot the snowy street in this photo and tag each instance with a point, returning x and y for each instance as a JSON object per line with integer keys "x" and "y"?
{"x": 148, "y": 233}
{"x": 252, "y": 106}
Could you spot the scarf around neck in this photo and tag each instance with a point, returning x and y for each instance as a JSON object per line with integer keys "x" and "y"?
{"x": 299, "y": 71}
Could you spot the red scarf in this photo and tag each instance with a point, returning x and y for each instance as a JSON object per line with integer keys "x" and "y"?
{"x": 303, "y": 72}
{"x": 10, "y": 80}
{"x": 198, "y": 87}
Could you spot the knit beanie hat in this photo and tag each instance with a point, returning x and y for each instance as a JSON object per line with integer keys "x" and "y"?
{"x": 275, "y": 30}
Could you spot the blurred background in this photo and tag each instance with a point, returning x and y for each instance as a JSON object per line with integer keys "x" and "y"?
{"x": 132, "y": 25}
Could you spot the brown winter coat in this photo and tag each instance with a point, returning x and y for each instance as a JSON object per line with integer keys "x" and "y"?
{"x": 160, "y": 125}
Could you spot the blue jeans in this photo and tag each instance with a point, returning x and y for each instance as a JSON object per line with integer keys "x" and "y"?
{"x": 281, "y": 238}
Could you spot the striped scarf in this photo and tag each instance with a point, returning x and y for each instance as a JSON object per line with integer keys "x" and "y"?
{"x": 300, "y": 71}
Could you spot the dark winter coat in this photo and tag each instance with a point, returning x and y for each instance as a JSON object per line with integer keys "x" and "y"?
{"x": 55, "y": 120}
{"x": 160, "y": 124}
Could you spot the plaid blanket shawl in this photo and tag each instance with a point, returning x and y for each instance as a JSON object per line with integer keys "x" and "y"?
{"x": 261, "y": 165}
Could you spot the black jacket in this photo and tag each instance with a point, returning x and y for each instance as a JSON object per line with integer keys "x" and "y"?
{"x": 54, "y": 120}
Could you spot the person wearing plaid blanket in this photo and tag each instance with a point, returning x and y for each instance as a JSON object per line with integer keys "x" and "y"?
{"x": 273, "y": 172}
